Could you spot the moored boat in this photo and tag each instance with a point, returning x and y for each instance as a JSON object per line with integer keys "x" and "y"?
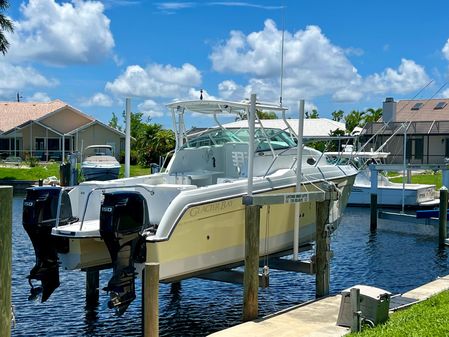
{"x": 190, "y": 218}
{"x": 99, "y": 163}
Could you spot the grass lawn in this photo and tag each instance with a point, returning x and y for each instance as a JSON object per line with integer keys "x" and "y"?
{"x": 426, "y": 319}
{"x": 45, "y": 171}
{"x": 425, "y": 178}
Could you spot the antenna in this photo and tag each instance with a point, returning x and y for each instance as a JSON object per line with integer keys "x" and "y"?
{"x": 282, "y": 52}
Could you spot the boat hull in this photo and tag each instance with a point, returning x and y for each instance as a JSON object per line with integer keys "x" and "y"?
{"x": 100, "y": 173}
{"x": 212, "y": 234}
{"x": 391, "y": 196}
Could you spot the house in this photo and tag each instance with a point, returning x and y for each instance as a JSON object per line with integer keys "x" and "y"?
{"x": 51, "y": 130}
{"x": 424, "y": 124}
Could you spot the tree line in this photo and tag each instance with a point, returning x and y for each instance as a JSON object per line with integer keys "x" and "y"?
{"x": 353, "y": 119}
{"x": 149, "y": 141}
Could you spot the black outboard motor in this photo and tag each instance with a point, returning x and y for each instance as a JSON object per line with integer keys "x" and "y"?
{"x": 40, "y": 209}
{"x": 123, "y": 216}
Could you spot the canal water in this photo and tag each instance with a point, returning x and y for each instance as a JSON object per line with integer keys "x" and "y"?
{"x": 397, "y": 258}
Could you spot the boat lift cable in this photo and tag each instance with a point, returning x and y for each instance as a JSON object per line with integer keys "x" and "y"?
{"x": 406, "y": 125}
{"x": 382, "y": 129}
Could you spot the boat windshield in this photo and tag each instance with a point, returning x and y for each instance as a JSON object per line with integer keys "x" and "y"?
{"x": 278, "y": 139}
{"x": 98, "y": 151}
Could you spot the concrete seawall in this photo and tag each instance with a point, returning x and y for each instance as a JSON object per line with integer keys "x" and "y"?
{"x": 316, "y": 318}
{"x": 19, "y": 186}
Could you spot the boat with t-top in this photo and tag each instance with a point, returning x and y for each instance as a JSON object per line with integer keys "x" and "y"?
{"x": 190, "y": 217}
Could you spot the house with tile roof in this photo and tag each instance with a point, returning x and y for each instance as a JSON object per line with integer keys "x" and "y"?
{"x": 423, "y": 124}
{"x": 51, "y": 130}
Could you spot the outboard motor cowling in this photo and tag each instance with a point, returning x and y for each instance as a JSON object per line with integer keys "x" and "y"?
{"x": 123, "y": 217}
{"x": 40, "y": 210}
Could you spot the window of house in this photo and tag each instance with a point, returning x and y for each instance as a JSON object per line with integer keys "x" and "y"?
{"x": 440, "y": 105}
{"x": 417, "y": 106}
{"x": 53, "y": 144}
{"x": 4, "y": 144}
{"x": 415, "y": 148}
{"x": 40, "y": 144}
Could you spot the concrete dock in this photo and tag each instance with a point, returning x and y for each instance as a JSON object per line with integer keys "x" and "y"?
{"x": 316, "y": 318}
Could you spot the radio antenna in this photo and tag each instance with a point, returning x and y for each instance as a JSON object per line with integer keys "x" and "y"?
{"x": 282, "y": 53}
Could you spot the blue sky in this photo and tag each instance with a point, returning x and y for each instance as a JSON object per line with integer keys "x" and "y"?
{"x": 337, "y": 54}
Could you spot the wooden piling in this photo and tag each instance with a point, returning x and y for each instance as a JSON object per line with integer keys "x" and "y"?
{"x": 150, "y": 302}
{"x": 322, "y": 249}
{"x": 373, "y": 208}
{"x": 92, "y": 287}
{"x": 251, "y": 276}
{"x": 6, "y": 193}
{"x": 443, "y": 216}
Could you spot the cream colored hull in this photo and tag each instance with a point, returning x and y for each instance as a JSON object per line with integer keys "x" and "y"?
{"x": 211, "y": 235}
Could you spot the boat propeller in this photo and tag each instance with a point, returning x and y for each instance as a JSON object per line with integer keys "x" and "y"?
{"x": 122, "y": 218}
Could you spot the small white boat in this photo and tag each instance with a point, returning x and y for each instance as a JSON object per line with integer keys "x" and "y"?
{"x": 389, "y": 194}
{"x": 189, "y": 218}
{"x": 99, "y": 163}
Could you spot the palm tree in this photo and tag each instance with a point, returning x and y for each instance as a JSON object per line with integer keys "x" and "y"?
{"x": 312, "y": 115}
{"x": 5, "y": 26}
{"x": 354, "y": 119}
{"x": 373, "y": 115}
{"x": 337, "y": 115}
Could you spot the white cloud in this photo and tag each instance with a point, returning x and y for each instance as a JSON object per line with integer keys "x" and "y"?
{"x": 407, "y": 78}
{"x": 99, "y": 99}
{"x": 61, "y": 33}
{"x": 16, "y": 78}
{"x": 151, "y": 108}
{"x": 155, "y": 81}
{"x": 445, "y": 50}
{"x": 445, "y": 93}
{"x": 230, "y": 90}
{"x": 313, "y": 67}
{"x": 39, "y": 97}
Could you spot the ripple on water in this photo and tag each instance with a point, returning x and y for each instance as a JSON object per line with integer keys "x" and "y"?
{"x": 394, "y": 260}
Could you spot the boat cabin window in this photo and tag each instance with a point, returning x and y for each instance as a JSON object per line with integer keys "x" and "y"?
{"x": 279, "y": 139}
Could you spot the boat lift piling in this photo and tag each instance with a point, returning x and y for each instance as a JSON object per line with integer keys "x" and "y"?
{"x": 373, "y": 200}
{"x": 6, "y": 193}
{"x": 92, "y": 287}
{"x": 442, "y": 219}
{"x": 320, "y": 262}
{"x": 150, "y": 300}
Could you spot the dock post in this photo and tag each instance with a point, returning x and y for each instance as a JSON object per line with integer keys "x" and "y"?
{"x": 251, "y": 275}
{"x": 150, "y": 300}
{"x": 373, "y": 217}
{"x": 355, "y": 309}
{"x": 443, "y": 216}
{"x": 5, "y": 259}
{"x": 322, "y": 249}
{"x": 92, "y": 287}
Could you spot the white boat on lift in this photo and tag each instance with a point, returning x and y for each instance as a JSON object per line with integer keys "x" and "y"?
{"x": 189, "y": 218}
{"x": 389, "y": 194}
{"x": 99, "y": 163}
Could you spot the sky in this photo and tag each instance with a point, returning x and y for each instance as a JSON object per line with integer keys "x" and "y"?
{"x": 346, "y": 54}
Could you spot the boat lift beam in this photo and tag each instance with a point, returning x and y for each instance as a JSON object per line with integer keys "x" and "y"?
{"x": 275, "y": 261}
{"x": 288, "y": 198}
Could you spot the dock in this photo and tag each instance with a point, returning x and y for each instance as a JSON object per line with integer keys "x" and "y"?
{"x": 316, "y": 318}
